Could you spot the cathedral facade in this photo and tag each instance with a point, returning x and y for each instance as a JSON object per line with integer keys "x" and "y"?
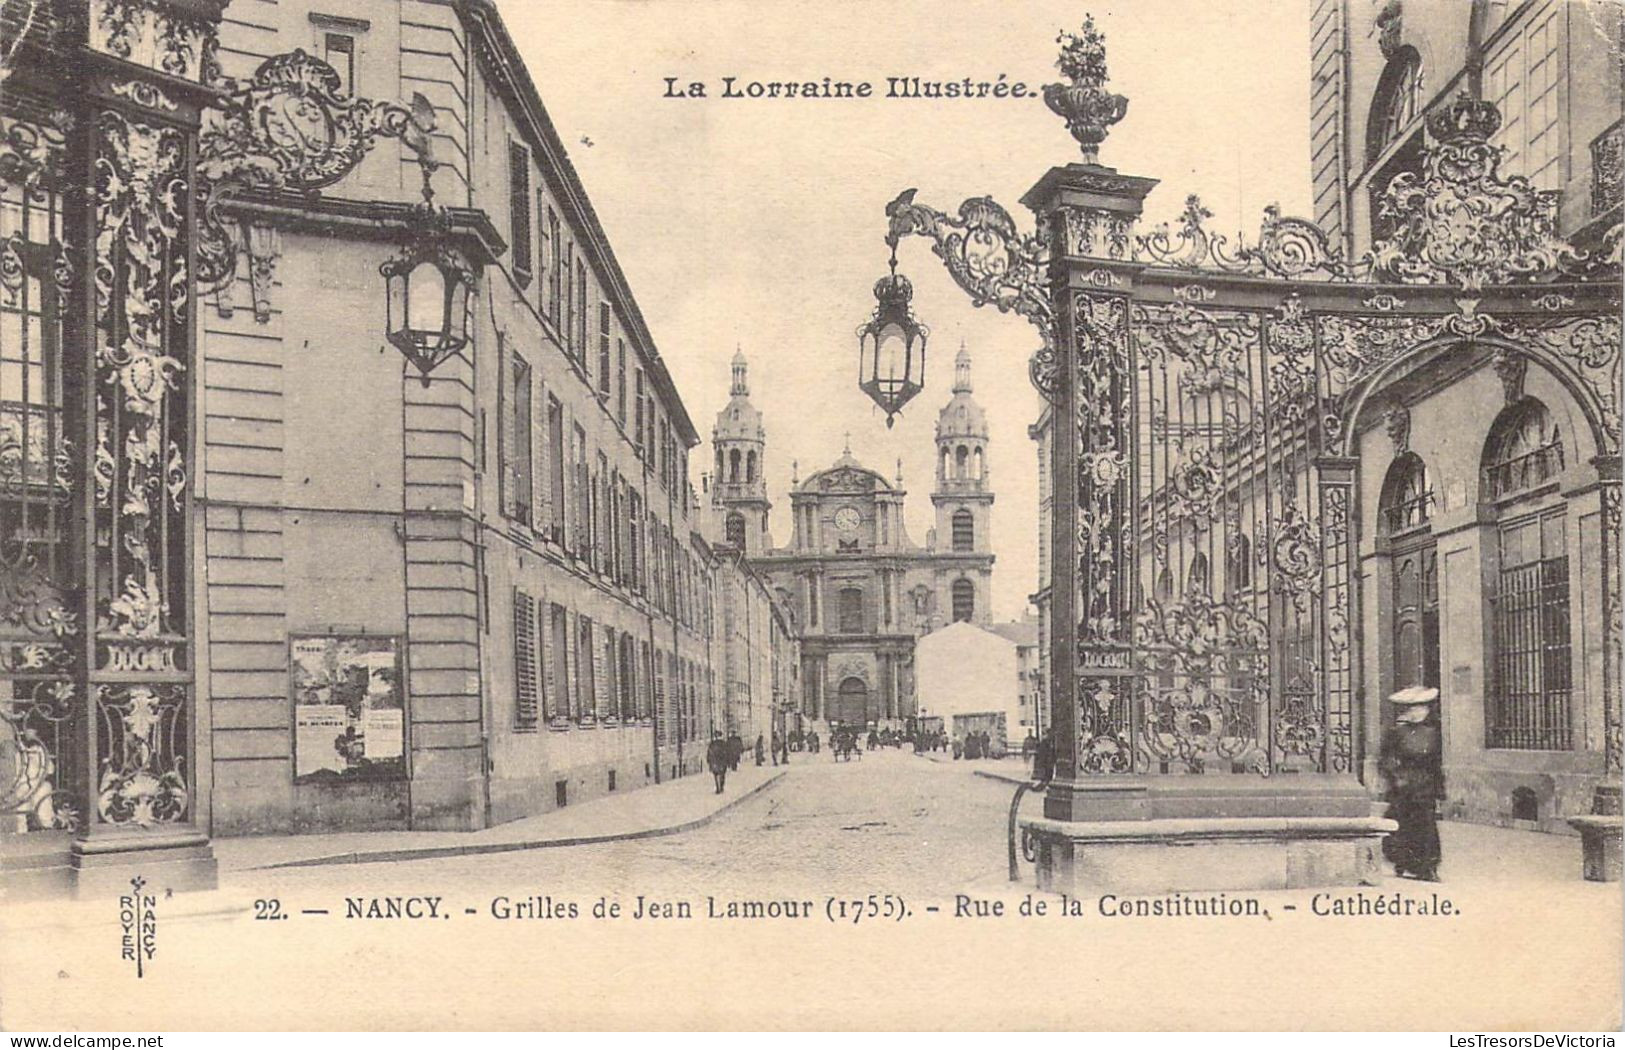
{"x": 855, "y": 588}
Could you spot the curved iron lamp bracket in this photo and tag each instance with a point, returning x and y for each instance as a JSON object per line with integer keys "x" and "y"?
{"x": 991, "y": 261}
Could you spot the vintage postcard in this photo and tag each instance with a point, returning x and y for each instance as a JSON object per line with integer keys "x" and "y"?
{"x": 752, "y": 514}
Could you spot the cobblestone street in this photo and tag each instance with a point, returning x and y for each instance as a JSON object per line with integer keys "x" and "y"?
{"x": 890, "y": 822}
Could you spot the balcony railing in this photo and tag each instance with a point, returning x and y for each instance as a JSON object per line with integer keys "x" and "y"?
{"x": 1533, "y": 468}
{"x": 1410, "y": 513}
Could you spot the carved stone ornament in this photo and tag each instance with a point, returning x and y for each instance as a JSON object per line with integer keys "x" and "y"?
{"x": 1399, "y": 428}
{"x": 1083, "y": 102}
{"x": 1511, "y": 368}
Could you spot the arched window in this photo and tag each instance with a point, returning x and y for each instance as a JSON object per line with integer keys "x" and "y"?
{"x": 980, "y": 463}
{"x": 1407, "y": 498}
{"x": 964, "y": 530}
{"x": 1165, "y": 585}
{"x": 1198, "y": 577}
{"x": 750, "y": 466}
{"x": 733, "y": 465}
{"x": 1524, "y": 450}
{"x": 946, "y": 461}
{"x": 734, "y": 530}
{"x": 964, "y": 599}
{"x": 1531, "y": 680}
{"x": 961, "y": 461}
{"x": 850, "y": 611}
{"x": 1398, "y": 100}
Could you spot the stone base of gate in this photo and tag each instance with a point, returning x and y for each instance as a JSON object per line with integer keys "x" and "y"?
{"x": 1145, "y": 835}
{"x": 103, "y": 865}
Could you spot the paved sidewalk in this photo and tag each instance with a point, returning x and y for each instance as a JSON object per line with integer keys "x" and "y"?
{"x": 664, "y": 809}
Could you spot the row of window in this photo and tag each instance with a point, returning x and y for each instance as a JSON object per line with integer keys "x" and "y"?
{"x": 569, "y": 670}
{"x": 586, "y": 505}
{"x": 564, "y": 295}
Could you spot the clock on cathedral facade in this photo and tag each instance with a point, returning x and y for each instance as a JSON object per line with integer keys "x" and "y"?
{"x": 855, "y": 587}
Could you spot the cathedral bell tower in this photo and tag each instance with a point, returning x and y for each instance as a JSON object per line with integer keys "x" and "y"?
{"x": 964, "y": 497}
{"x": 739, "y": 503}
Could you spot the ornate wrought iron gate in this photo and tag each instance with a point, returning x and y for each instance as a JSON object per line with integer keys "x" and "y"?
{"x": 1207, "y": 397}
{"x": 121, "y": 144}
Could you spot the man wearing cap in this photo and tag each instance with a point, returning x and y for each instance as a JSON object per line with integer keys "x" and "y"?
{"x": 1409, "y": 761}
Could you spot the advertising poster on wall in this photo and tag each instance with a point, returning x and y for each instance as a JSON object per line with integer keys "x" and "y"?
{"x": 349, "y": 708}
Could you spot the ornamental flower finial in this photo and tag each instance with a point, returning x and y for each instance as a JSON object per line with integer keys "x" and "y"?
{"x": 1087, "y": 107}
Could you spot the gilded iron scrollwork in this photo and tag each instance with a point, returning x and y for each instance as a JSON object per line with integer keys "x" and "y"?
{"x": 288, "y": 128}
{"x": 142, "y": 780}
{"x": 1460, "y": 221}
{"x": 991, "y": 261}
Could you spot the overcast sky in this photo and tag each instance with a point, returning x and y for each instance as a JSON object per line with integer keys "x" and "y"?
{"x": 760, "y": 223}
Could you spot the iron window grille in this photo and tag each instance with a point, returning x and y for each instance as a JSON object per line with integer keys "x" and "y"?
{"x": 1532, "y": 691}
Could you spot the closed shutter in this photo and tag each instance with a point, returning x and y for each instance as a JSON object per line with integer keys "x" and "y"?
{"x": 519, "y": 210}
{"x": 504, "y": 431}
{"x": 611, "y": 675}
{"x": 661, "y": 718}
{"x": 539, "y": 474}
{"x": 524, "y": 659}
{"x": 544, "y": 663}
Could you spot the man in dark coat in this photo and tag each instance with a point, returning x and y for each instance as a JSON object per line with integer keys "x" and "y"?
{"x": 736, "y": 748}
{"x": 761, "y": 752}
{"x": 1409, "y": 762}
{"x": 1044, "y": 759}
{"x": 716, "y": 759}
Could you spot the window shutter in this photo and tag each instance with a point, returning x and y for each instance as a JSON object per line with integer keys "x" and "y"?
{"x": 544, "y": 663}
{"x": 524, "y": 658}
{"x": 504, "y": 430}
{"x": 519, "y": 210}
{"x": 538, "y": 475}
{"x": 542, "y": 247}
{"x": 600, "y": 677}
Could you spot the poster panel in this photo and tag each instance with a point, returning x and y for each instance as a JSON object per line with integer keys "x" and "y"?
{"x": 349, "y": 707}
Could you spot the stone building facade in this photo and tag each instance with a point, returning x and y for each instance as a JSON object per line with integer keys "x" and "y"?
{"x": 451, "y": 603}
{"x": 855, "y": 590}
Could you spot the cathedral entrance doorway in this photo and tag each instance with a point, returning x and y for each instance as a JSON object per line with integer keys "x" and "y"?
{"x": 851, "y": 702}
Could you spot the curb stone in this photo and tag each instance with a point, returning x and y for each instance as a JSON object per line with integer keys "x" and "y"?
{"x": 477, "y": 849}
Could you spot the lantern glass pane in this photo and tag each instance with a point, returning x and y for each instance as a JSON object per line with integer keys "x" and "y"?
{"x": 892, "y": 354}
{"x": 395, "y": 296}
{"x": 457, "y": 320}
{"x": 426, "y": 299}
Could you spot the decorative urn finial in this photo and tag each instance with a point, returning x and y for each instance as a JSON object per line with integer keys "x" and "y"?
{"x": 1087, "y": 107}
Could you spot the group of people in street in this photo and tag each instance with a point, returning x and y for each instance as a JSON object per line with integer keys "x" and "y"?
{"x": 974, "y": 745}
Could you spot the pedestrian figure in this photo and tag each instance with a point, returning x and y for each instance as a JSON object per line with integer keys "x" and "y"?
{"x": 736, "y": 748}
{"x": 717, "y": 760}
{"x": 777, "y": 745}
{"x": 1409, "y": 761}
{"x": 761, "y": 752}
{"x": 1044, "y": 759}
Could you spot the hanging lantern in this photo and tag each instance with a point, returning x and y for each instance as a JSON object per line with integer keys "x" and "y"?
{"x": 891, "y": 346}
{"x": 426, "y": 289}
